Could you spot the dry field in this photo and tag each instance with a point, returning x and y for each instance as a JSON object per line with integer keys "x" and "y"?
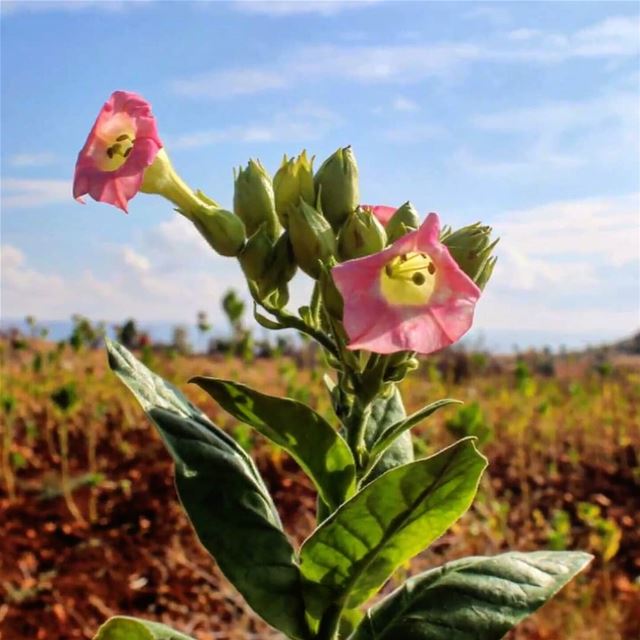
{"x": 562, "y": 437}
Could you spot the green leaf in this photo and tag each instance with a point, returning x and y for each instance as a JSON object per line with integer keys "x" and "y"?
{"x": 388, "y": 436}
{"x": 386, "y": 412}
{"x": 471, "y": 599}
{"x": 125, "y": 628}
{"x": 352, "y": 553}
{"x": 307, "y": 436}
{"x": 224, "y": 497}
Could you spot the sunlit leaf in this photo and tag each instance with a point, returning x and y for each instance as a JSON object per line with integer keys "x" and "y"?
{"x": 125, "y": 628}
{"x": 306, "y": 435}
{"x": 471, "y": 599}
{"x": 389, "y": 521}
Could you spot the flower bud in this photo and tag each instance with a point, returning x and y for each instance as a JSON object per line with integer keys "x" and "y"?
{"x": 331, "y": 298}
{"x": 312, "y": 238}
{"x": 293, "y": 180}
{"x": 253, "y": 200}
{"x": 485, "y": 273}
{"x": 280, "y": 268}
{"x": 256, "y": 254}
{"x": 336, "y": 183}
{"x": 224, "y": 231}
{"x": 404, "y": 220}
{"x": 361, "y": 235}
{"x": 471, "y": 247}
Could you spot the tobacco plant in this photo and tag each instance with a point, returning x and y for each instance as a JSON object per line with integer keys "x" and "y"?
{"x": 386, "y": 288}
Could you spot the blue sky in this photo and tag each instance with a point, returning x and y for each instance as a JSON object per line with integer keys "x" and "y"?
{"x": 523, "y": 115}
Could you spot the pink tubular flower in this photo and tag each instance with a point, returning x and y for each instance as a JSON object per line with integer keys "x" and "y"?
{"x": 380, "y": 211}
{"x": 123, "y": 142}
{"x": 410, "y": 297}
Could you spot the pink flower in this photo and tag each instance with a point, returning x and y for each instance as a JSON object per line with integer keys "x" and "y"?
{"x": 380, "y": 211}
{"x": 123, "y": 142}
{"x": 410, "y": 297}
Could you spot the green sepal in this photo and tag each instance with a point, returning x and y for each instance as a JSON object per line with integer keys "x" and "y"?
{"x": 473, "y": 598}
{"x": 304, "y": 434}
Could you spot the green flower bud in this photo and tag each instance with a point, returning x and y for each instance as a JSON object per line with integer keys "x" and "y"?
{"x": 336, "y": 183}
{"x": 293, "y": 180}
{"x": 404, "y": 220}
{"x": 471, "y": 247}
{"x": 256, "y": 254}
{"x": 331, "y": 297}
{"x": 361, "y": 235}
{"x": 281, "y": 267}
{"x": 485, "y": 273}
{"x": 221, "y": 229}
{"x": 253, "y": 200}
{"x": 312, "y": 238}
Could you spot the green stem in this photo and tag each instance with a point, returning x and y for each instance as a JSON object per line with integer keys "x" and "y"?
{"x": 292, "y": 322}
{"x": 356, "y": 431}
{"x": 330, "y": 623}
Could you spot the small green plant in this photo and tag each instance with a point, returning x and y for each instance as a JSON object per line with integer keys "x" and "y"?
{"x": 469, "y": 420}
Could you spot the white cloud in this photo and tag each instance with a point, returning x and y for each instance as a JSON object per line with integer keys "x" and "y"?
{"x": 602, "y": 230}
{"x": 559, "y": 136}
{"x": 136, "y": 261}
{"x": 168, "y": 276}
{"x": 494, "y": 15}
{"x": 278, "y": 9}
{"x": 24, "y": 192}
{"x": 226, "y": 84}
{"x": 12, "y": 7}
{"x": 401, "y": 103}
{"x": 555, "y": 259}
{"x": 24, "y": 160}
{"x": 410, "y": 63}
{"x": 300, "y": 124}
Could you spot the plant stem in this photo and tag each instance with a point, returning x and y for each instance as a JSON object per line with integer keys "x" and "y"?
{"x": 330, "y": 623}
{"x": 357, "y": 428}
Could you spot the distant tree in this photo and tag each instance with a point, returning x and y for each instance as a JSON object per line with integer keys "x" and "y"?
{"x": 128, "y": 334}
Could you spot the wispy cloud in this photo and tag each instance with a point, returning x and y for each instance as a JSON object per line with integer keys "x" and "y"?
{"x": 400, "y": 103}
{"x": 13, "y": 7}
{"x": 494, "y": 15}
{"x": 25, "y": 160}
{"x": 602, "y": 230}
{"x": 279, "y": 9}
{"x": 226, "y": 84}
{"x": 410, "y": 63}
{"x": 559, "y": 264}
{"x": 22, "y": 192}
{"x": 558, "y": 135}
{"x": 300, "y": 124}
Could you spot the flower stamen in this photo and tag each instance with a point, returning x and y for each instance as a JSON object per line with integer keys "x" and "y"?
{"x": 408, "y": 279}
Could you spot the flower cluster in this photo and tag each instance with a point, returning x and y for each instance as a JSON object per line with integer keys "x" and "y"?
{"x": 389, "y": 283}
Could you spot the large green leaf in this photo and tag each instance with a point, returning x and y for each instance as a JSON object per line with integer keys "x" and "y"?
{"x": 306, "y": 435}
{"x": 386, "y": 412}
{"x": 471, "y": 599}
{"x": 224, "y": 497}
{"x": 125, "y": 628}
{"x": 351, "y": 554}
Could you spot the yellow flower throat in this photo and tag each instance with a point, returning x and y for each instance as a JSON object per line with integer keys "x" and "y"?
{"x": 408, "y": 279}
